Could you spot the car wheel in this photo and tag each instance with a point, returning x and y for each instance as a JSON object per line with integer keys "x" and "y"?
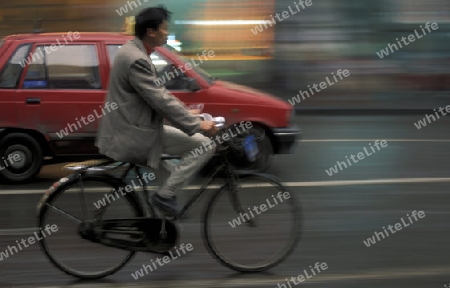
{"x": 21, "y": 157}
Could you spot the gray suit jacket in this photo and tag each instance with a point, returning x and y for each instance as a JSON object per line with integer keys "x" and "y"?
{"x": 132, "y": 132}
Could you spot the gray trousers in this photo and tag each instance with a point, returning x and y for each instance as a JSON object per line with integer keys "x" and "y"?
{"x": 173, "y": 177}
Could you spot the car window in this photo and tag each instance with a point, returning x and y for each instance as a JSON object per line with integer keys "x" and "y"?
{"x": 2, "y": 41}
{"x": 36, "y": 75}
{"x": 156, "y": 59}
{"x": 73, "y": 67}
{"x": 173, "y": 80}
{"x": 168, "y": 74}
{"x": 112, "y": 51}
{"x": 205, "y": 75}
{"x": 160, "y": 62}
{"x": 10, "y": 75}
{"x": 63, "y": 67}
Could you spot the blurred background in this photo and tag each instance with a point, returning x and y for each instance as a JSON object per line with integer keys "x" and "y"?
{"x": 287, "y": 57}
{"x": 411, "y": 174}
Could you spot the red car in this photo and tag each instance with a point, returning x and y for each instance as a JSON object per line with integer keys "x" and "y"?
{"x": 49, "y": 81}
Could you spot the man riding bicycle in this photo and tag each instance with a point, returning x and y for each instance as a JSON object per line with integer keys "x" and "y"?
{"x": 134, "y": 132}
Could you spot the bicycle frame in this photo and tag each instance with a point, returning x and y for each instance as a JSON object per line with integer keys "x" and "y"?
{"x": 225, "y": 166}
{"x": 231, "y": 175}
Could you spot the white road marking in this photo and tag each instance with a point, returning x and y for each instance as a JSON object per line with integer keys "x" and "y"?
{"x": 18, "y": 231}
{"x": 286, "y": 184}
{"x": 373, "y": 140}
{"x": 263, "y": 281}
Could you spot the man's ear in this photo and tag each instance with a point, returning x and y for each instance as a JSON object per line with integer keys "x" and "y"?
{"x": 151, "y": 32}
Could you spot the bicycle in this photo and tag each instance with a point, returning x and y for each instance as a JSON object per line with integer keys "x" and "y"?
{"x": 148, "y": 229}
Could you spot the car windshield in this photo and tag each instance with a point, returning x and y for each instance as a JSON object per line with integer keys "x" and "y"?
{"x": 196, "y": 68}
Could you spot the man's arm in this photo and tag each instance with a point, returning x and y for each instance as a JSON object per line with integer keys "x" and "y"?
{"x": 143, "y": 80}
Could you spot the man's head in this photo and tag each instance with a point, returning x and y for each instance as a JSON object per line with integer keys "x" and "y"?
{"x": 152, "y": 26}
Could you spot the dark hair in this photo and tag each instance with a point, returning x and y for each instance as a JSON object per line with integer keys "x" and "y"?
{"x": 150, "y": 18}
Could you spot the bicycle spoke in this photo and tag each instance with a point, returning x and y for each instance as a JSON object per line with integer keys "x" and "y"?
{"x": 82, "y": 198}
{"x": 65, "y": 214}
{"x": 248, "y": 239}
{"x": 93, "y": 260}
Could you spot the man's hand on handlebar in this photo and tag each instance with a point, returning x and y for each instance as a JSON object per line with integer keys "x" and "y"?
{"x": 195, "y": 111}
{"x": 209, "y": 128}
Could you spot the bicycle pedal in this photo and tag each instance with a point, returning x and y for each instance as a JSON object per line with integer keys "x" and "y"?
{"x": 172, "y": 217}
{"x": 163, "y": 236}
{"x": 160, "y": 246}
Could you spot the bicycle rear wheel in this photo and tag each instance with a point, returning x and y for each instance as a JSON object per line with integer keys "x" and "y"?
{"x": 249, "y": 239}
{"x": 66, "y": 207}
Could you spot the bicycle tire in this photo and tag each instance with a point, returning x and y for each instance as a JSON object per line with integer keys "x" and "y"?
{"x": 62, "y": 187}
{"x": 296, "y": 213}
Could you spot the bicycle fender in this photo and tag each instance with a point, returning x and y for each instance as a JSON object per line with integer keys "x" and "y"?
{"x": 50, "y": 191}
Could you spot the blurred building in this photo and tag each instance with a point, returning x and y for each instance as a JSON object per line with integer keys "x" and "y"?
{"x": 300, "y": 50}
{"x": 347, "y": 34}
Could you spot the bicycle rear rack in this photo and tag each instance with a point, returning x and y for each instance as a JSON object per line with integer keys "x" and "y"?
{"x": 93, "y": 165}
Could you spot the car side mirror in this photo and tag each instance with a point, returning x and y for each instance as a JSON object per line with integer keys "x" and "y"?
{"x": 192, "y": 84}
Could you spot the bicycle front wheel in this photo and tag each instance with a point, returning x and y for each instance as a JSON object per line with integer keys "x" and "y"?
{"x": 73, "y": 201}
{"x": 254, "y": 226}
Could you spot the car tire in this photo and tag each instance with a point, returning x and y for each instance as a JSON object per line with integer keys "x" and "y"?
{"x": 263, "y": 159}
{"x": 30, "y": 158}
{"x": 238, "y": 158}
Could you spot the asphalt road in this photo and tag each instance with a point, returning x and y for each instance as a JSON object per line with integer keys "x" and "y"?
{"x": 410, "y": 173}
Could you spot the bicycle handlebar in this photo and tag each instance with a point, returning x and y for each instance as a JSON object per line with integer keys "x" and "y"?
{"x": 220, "y": 121}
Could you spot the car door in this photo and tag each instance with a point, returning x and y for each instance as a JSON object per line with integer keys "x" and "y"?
{"x": 9, "y": 80}
{"x": 62, "y": 90}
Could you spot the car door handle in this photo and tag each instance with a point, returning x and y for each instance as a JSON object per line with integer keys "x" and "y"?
{"x": 33, "y": 101}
